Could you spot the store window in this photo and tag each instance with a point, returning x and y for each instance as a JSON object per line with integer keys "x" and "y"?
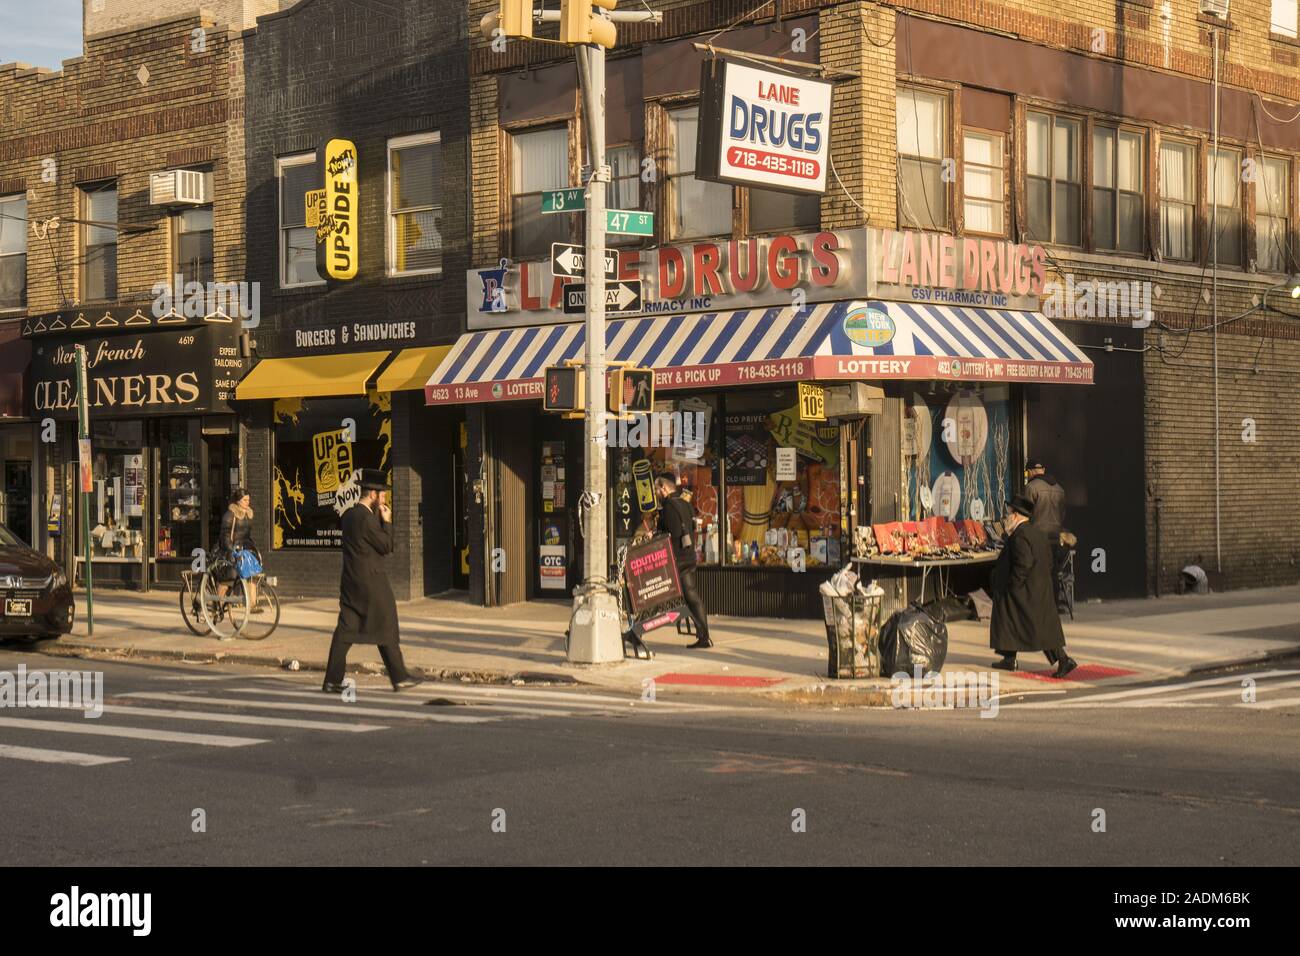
{"x": 782, "y": 478}
{"x": 922, "y": 147}
{"x": 539, "y": 161}
{"x": 117, "y": 491}
{"x": 1053, "y": 187}
{"x": 13, "y": 252}
{"x": 1283, "y": 18}
{"x": 1177, "y": 200}
{"x": 1272, "y": 218}
{"x": 414, "y": 205}
{"x": 984, "y": 205}
{"x": 180, "y": 501}
{"x": 698, "y": 209}
{"x": 624, "y": 190}
{"x": 99, "y": 243}
{"x": 1118, "y": 200}
{"x": 772, "y": 211}
{"x": 194, "y": 245}
{"x": 297, "y": 175}
{"x": 315, "y": 466}
{"x": 1225, "y": 199}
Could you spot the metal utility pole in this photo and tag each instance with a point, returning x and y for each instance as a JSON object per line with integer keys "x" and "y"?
{"x": 84, "y": 462}
{"x": 1214, "y": 309}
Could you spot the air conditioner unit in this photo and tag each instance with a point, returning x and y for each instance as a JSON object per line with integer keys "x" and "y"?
{"x": 1215, "y": 8}
{"x": 180, "y": 187}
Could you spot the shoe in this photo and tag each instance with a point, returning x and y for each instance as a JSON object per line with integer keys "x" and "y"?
{"x": 1065, "y": 667}
{"x": 1004, "y": 664}
{"x": 329, "y": 688}
{"x": 699, "y": 644}
{"x": 408, "y": 683}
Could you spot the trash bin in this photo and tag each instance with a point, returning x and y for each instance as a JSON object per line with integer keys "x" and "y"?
{"x": 853, "y": 634}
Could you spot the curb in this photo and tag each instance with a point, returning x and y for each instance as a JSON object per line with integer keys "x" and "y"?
{"x": 1262, "y": 658}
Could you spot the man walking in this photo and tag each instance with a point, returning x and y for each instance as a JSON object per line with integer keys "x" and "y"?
{"x": 678, "y": 519}
{"x": 1024, "y": 612}
{"x": 367, "y": 608}
{"x": 1047, "y": 496}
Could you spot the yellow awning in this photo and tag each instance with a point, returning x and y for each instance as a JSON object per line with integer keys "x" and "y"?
{"x": 412, "y": 368}
{"x": 310, "y": 376}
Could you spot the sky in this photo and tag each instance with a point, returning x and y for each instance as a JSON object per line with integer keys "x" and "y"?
{"x": 40, "y": 32}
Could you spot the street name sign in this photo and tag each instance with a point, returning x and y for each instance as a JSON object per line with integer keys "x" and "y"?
{"x": 624, "y": 222}
{"x": 564, "y": 200}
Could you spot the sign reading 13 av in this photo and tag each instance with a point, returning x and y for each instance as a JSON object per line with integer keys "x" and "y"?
{"x": 763, "y": 127}
{"x": 337, "y": 246}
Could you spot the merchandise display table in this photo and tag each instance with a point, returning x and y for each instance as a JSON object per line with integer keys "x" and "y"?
{"x": 942, "y": 567}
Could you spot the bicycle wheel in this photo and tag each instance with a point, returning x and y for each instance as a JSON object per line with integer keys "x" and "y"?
{"x": 191, "y": 609}
{"x": 264, "y": 615}
{"x": 227, "y": 613}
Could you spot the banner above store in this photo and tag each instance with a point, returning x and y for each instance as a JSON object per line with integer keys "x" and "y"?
{"x": 780, "y": 271}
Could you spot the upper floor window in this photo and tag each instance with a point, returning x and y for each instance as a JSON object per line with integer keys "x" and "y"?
{"x": 699, "y": 209}
{"x": 194, "y": 245}
{"x": 297, "y": 175}
{"x": 1272, "y": 218}
{"x": 624, "y": 190}
{"x": 539, "y": 161}
{"x": 774, "y": 211}
{"x": 922, "y": 145}
{"x": 1177, "y": 200}
{"x": 1118, "y": 203}
{"x": 99, "y": 242}
{"x": 13, "y": 252}
{"x": 1283, "y": 20}
{"x": 414, "y": 205}
{"x": 1225, "y": 199}
{"x": 983, "y": 200}
{"x": 1053, "y": 189}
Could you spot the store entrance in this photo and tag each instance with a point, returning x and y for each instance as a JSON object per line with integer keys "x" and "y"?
{"x": 17, "y": 498}
{"x": 557, "y": 538}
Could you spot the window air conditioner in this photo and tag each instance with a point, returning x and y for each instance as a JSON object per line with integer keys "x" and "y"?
{"x": 180, "y": 187}
{"x": 1215, "y": 8}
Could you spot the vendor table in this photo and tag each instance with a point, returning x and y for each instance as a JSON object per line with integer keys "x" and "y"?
{"x": 925, "y": 564}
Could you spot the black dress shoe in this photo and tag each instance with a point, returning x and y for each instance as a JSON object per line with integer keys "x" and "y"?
{"x": 329, "y": 688}
{"x": 408, "y": 683}
{"x": 1065, "y": 667}
{"x": 700, "y": 643}
{"x": 1004, "y": 664}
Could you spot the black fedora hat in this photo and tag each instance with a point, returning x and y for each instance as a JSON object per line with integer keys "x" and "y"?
{"x": 1019, "y": 504}
{"x": 372, "y": 479}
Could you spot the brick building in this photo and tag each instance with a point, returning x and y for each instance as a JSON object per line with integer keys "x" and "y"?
{"x": 118, "y": 174}
{"x": 1081, "y": 135}
{"x": 341, "y": 363}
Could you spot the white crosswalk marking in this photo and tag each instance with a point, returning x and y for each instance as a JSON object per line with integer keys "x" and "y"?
{"x": 1224, "y": 691}
{"x": 262, "y": 721}
{"x": 340, "y": 708}
{"x": 517, "y": 702}
{"x": 38, "y": 755}
{"x": 94, "y": 728}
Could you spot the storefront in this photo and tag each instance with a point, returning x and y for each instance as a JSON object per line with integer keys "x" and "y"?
{"x": 17, "y": 437}
{"x": 946, "y": 330}
{"x": 164, "y": 442}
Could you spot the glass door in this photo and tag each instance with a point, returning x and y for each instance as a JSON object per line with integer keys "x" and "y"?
{"x": 18, "y": 499}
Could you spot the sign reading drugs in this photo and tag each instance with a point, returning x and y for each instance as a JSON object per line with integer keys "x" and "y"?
{"x": 761, "y": 126}
{"x": 337, "y": 246}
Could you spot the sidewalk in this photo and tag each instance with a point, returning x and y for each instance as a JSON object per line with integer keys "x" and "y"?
{"x": 1118, "y": 642}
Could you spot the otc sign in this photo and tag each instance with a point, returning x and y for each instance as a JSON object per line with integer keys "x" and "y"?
{"x": 336, "y": 234}
{"x": 763, "y": 127}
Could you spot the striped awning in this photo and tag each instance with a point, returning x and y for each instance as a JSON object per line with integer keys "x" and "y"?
{"x": 844, "y": 341}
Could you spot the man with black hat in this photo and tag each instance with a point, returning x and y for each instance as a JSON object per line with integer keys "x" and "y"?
{"x": 1047, "y": 497}
{"x": 367, "y": 608}
{"x": 678, "y": 519}
{"x": 1024, "y": 610}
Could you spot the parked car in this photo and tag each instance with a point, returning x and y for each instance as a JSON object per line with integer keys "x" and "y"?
{"x": 35, "y": 599}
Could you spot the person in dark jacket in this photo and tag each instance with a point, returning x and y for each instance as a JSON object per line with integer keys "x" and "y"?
{"x": 236, "y": 534}
{"x": 678, "y": 519}
{"x": 367, "y": 608}
{"x": 1047, "y": 498}
{"x": 1024, "y": 610}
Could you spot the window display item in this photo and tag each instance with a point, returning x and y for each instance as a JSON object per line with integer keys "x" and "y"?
{"x": 966, "y": 427}
{"x": 917, "y": 429}
{"x": 946, "y": 495}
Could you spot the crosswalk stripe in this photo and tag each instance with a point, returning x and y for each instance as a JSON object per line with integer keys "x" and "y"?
{"x": 1274, "y": 704}
{"x": 1234, "y": 691}
{"x": 540, "y": 706}
{"x": 261, "y": 721}
{"x": 39, "y": 755}
{"x": 341, "y": 709}
{"x": 86, "y": 726}
{"x": 538, "y": 698}
{"x": 1098, "y": 699}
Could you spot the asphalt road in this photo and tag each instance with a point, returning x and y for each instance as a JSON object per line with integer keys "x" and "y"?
{"x": 591, "y": 778}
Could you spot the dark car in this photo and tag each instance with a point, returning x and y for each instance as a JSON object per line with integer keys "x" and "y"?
{"x": 35, "y": 600}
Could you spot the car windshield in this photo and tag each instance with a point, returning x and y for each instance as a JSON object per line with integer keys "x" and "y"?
{"x": 10, "y": 540}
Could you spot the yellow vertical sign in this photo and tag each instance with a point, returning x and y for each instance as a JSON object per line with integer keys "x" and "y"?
{"x": 312, "y": 202}
{"x": 337, "y": 250}
{"x": 812, "y": 402}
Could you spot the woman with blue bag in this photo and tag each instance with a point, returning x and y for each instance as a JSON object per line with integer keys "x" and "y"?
{"x": 235, "y": 543}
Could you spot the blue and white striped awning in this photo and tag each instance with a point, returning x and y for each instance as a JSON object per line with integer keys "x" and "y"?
{"x": 827, "y": 341}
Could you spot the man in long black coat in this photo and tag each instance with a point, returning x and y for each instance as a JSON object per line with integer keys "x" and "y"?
{"x": 1024, "y": 606}
{"x": 367, "y": 608}
{"x": 678, "y": 519}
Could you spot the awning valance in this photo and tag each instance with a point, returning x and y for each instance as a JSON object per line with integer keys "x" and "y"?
{"x": 310, "y": 376}
{"x": 412, "y": 368}
{"x": 844, "y": 341}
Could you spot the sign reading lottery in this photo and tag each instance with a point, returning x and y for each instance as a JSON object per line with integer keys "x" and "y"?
{"x": 763, "y": 127}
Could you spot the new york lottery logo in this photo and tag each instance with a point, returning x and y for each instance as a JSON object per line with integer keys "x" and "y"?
{"x": 869, "y": 327}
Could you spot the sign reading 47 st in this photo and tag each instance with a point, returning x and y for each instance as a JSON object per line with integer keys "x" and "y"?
{"x": 620, "y": 297}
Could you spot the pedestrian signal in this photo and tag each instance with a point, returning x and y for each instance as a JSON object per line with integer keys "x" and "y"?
{"x": 632, "y": 391}
{"x": 564, "y": 390}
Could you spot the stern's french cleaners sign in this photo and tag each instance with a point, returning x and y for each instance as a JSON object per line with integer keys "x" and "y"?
{"x": 763, "y": 127}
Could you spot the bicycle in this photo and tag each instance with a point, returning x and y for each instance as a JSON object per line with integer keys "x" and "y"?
{"x": 217, "y": 602}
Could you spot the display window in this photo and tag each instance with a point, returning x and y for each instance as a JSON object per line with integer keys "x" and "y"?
{"x": 117, "y": 491}
{"x": 180, "y": 503}
{"x": 321, "y": 444}
{"x": 957, "y": 453}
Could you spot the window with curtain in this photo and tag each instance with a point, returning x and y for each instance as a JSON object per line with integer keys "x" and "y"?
{"x": 699, "y": 209}
{"x": 624, "y": 190}
{"x": 194, "y": 244}
{"x": 1272, "y": 220}
{"x": 1177, "y": 200}
{"x": 1283, "y": 19}
{"x": 1053, "y": 190}
{"x": 539, "y": 161}
{"x": 983, "y": 204}
{"x": 773, "y": 211}
{"x": 99, "y": 243}
{"x": 1225, "y": 197}
{"x": 297, "y": 175}
{"x": 922, "y": 140}
{"x": 1118, "y": 204}
{"x": 13, "y": 252}
{"x": 414, "y": 204}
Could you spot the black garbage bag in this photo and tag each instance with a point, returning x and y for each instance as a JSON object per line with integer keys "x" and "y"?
{"x": 956, "y": 607}
{"x": 911, "y": 638}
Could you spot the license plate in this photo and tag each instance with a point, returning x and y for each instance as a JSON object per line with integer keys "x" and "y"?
{"x": 18, "y": 607}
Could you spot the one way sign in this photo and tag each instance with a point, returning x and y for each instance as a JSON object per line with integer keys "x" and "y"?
{"x": 570, "y": 262}
{"x": 620, "y": 297}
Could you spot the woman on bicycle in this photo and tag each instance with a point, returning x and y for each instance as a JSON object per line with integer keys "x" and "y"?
{"x": 237, "y": 534}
